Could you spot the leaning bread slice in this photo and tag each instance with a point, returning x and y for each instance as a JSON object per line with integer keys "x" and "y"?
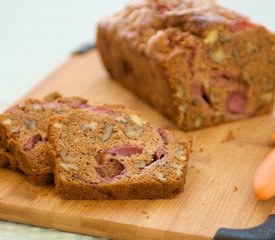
{"x": 111, "y": 153}
{"x": 23, "y": 137}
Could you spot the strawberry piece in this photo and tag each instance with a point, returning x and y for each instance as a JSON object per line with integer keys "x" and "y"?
{"x": 100, "y": 109}
{"x": 236, "y": 103}
{"x": 32, "y": 142}
{"x": 125, "y": 150}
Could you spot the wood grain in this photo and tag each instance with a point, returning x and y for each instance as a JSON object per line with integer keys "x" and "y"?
{"x": 218, "y": 192}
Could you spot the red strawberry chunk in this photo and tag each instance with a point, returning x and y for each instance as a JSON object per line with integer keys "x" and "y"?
{"x": 236, "y": 103}
{"x": 100, "y": 109}
{"x": 125, "y": 150}
{"x": 31, "y": 142}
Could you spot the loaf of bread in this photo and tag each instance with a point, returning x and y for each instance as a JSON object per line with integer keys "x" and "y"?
{"x": 23, "y": 136}
{"x": 196, "y": 62}
{"x": 112, "y": 153}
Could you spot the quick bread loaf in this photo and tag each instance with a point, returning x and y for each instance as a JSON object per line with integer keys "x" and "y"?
{"x": 196, "y": 62}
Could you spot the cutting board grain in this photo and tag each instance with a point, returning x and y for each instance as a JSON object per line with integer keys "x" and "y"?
{"x": 217, "y": 193}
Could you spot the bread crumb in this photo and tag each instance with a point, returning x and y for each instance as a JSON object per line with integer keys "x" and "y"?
{"x": 145, "y": 213}
{"x": 235, "y": 189}
{"x": 230, "y": 136}
{"x": 201, "y": 149}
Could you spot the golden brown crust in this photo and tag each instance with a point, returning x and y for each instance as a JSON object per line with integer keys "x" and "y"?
{"x": 139, "y": 23}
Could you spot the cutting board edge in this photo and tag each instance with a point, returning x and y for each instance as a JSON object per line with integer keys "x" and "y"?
{"x": 92, "y": 227}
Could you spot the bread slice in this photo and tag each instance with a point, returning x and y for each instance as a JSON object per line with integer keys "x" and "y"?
{"x": 23, "y": 136}
{"x": 6, "y": 158}
{"x": 111, "y": 153}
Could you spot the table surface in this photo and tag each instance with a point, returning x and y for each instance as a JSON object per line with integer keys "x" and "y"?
{"x": 36, "y": 36}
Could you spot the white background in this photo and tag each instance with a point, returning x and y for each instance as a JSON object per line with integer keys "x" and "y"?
{"x": 36, "y": 36}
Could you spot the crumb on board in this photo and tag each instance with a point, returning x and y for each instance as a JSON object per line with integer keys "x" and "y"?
{"x": 229, "y": 137}
{"x": 235, "y": 189}
{"x": 201, "y": 149}
{"x": 195, "y": 169}
{"x": 145, "y": 213}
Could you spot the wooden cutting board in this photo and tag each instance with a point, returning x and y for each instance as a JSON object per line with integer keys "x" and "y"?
{"x": 217, "y": 194}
